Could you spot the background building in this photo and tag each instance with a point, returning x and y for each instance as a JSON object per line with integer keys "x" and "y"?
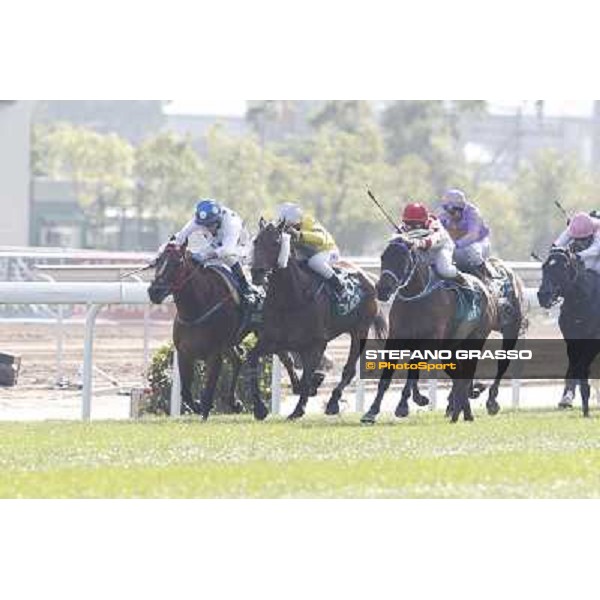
{"x": 15, "y": 136}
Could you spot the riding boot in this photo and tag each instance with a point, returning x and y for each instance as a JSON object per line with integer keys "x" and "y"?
{"x": 247, "y": 291}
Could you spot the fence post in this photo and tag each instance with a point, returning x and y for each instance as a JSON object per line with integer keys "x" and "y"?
{"x": 276, "y": 385}
{"x": 516, "y": 393}
{"x": 88, "y": 350}
{"x": 360, "y": 394}
{"x": 433, "y": 382}
{"x": 175, "y": 405}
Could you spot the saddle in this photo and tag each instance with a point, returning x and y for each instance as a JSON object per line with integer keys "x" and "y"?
{"x": 468, "y": 298}
{"x": 341, "y": 304}
{"x": 252, "y": 316}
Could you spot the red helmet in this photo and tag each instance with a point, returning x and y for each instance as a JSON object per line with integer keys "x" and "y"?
{"x": 415, "y": 212}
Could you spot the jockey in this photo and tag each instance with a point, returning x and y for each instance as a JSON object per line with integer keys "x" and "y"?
{"x": 467, "y": 228}
{"x": 437, "y": 242}
{"x": 584, "y": 230}
{"x": 313, "y": 242}
{"x": 227, "y": 239}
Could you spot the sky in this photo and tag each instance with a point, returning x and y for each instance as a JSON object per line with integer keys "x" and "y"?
{"x": 238, "y": 107}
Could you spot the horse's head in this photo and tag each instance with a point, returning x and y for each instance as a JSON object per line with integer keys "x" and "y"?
{"x": 559, "y": 273}
{"x": 271, "y": 250}
{"x": 167, "y": 274}
{"x": 397, "y": 262}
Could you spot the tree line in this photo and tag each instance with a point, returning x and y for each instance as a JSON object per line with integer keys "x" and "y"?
{"x": 410, "y": 152}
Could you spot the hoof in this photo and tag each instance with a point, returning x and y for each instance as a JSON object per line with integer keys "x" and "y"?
{"x": 260, "y": 411}
{"x": 297, "y": 414}
{"x": 368, "y": 419}
{"x": 565, "y": 404}
{"x": 493, "y": 408}
{"x": 204, "y": 410}
{"x": 315, "y": 383}
{"x": 196, "y": 408}
{"x": 421, "y": 400}
{"x": 332, "y": 408}
{"x": 586, "y": 415}
{"x": 469, "y": 418}
{"x": 237, "y": 407}
{"x": 448, "y": 411}
{"x": 401, "y": 411}
{"x": 477, "y": 390}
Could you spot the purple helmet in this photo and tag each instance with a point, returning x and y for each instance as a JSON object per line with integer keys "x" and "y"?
{"x": 454, "y": 198}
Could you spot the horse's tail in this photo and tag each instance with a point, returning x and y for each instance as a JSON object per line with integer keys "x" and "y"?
{"x": 380, "y": 325}
{"x": 520, "y": 299}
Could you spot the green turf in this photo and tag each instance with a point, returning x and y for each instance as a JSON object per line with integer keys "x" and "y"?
{"x": 524, "y": 454}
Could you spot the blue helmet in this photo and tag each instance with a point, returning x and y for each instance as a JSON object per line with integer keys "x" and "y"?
{"x": 208, "y": 212}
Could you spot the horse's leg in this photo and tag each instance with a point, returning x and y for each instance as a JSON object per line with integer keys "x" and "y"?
{"x": 412, "y": 381}
{"x": 584, "y": 388}
{"x": 418, "y": 398}
{"x": 185, "y": 364}
{"x": 310, "y": 361}
{"x": 462, "y": 380}
{"x": 583, "y": 374}
{"x": 384, "y": 383}
{"x": 460, "y": 400}
{"x": 259, "y": 408}
{"x": 213, "y": 369}
{"x": 288, "y": 363}
{"x": 231, "y": 404}
{"x": 317, "y": 378}
{"x": 509, "y": 341}
{"x": 570, "y": 382}
{"x": 348, "y": 373}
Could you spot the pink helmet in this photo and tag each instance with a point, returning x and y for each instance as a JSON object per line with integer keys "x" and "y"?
{"x": 581, "y": 226}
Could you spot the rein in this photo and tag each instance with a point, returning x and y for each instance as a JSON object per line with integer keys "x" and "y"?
{"x": 202, "y": 317}
{"x": 428, "y": 289}
{"x": 178, "y": 286}
{"x": 574, "y": 275}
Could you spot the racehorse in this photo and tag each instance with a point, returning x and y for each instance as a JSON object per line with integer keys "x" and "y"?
{"x": 511, "y": 321}
{"x": 300, "y": 315}
{"x": 508, "y": 291}
{"x": 427, "y": 308}
{"x": 564, "y": 276}
{"x": 207, "y": 326}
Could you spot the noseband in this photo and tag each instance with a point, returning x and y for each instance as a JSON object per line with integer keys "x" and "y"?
{"x": 411, "y": 268}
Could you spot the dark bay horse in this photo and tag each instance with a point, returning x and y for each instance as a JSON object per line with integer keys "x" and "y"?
{"x": 564, "y": 276}
{"x": 299, "y": 317}
{"x": 207, "y": 326}
{"x": 511, "y": 322}
{"x": 426, "y": 309}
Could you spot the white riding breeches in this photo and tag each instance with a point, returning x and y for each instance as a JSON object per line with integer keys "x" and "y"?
{"x": 473, "y": 255}
{"x": 442, "y": 260}
{"x": 592, "y": 262}
{"x": 321, "y": 262}
{"x": 238, "y": 256}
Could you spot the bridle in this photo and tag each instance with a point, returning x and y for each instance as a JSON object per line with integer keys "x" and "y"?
{"x": 411, "y": 268}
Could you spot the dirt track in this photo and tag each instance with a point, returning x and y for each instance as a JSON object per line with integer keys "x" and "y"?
{"x": 118, "y": 351}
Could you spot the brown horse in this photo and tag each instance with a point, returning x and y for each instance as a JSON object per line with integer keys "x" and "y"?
{"x": 299, "y": 317}
{"x": 425, "y": 309}
{"x": 207, "y": 326}
{"x": 511, "y": 322}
